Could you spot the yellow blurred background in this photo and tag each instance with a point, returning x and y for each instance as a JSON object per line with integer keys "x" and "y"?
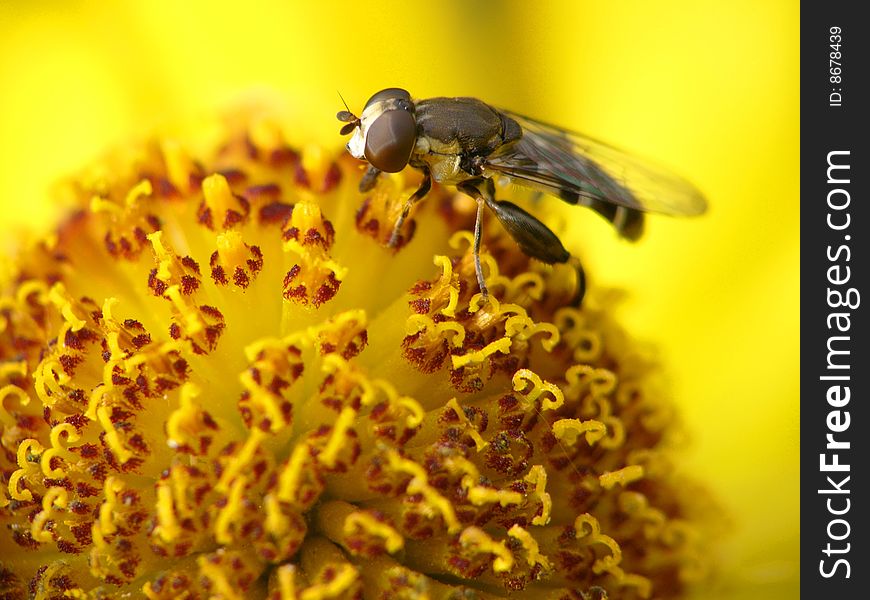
{"x": 709, "y": 88}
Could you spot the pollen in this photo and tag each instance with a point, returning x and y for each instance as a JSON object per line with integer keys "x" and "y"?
{"x": 217, "y": 381}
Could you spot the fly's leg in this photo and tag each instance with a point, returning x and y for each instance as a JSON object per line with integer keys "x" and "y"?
{"x": 470, "y": 188}
{"x": 581, "y": 282}
{"x": 369, "y": 179}
{"x": 478, "y": 222}
{"x": 533, "y": 237}
{"x": 421, "y": 192}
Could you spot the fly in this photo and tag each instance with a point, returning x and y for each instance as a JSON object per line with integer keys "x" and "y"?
{"x": 467, "y": 143}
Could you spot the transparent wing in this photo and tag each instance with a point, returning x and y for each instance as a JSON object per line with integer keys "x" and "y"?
{"x": 581, "y": 170}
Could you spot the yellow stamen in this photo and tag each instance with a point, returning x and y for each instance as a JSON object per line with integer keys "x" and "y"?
{"x": 475, "y": 540}
{"x": 623, "y": 476}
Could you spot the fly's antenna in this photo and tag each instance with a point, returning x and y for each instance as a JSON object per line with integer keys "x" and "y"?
{"x": 343, "y": 100}
{"x": 345, "y": 116}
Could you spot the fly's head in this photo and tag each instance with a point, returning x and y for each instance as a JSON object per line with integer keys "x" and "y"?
{"x": 386, "y": 131}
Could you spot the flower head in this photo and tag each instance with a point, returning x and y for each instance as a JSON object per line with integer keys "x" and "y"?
{"x": 217, "y": 381}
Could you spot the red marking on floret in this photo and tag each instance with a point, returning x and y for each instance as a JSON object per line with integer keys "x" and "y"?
{"x": 277, "y": 385}
{"x": 77, "y": 339}
{"x": 137, "y": 442}
{"x": 189, "y": 284}
{"x": 426, "y": 359}
{"x": 57, "y": 463}
{"x": 132, "y": 397}
{"x": 156, "y": 285}
{"x": 354, "y": 347}
{"x": 78, "y": 420}
{"x": 180, "y": 367}
{"x": 141, "y": 340}
{"x": 154, "y": 222}
{"x": 266, "y": 190}
{"x": 82, "y": 533}
{"x": 275, "y": 213}
{"x": 420, "y": 287}
{"x": 140, "y": 236}
{"x": 283, "y": 156}
{"x": 78, "y": 507}
{"x": 291, "y": 233}
{"x": 126, "y": 248}
{"x": 420, "y": 305}
{"x": 448, "y": 415}
{"x": 191, "y": 264}
{"x": 240, "y": 278}
{"x": 204, "y": 215}
{"x": 29, "y": 422}
{"x": 97, "y": 471}
{"x": 120, "y": 415}
{"x": 498, "y": 462}
{"x": 128, "y": 567}
{"x": 507, "y": 403}
{"x": 332, "y": 177}
{"x": 234, "y": 176}
{"x": 162, "y": 384}
{"x": 85, "y": 490}
{"x": 119, "y": 379}
{"x": 291, "y": 274}
{"x": 212, "y": 333}
{"x": 255, "y": 264}
{"x": 312, "y": 236}
{"x": 89, "y": 451}
{"x": 386, "y": 431}
{"x": 219, "y": 275}
{"x": 69, "y": 362}
{"x": 327, "y": 291}
{"x": 300, "y": 175}
{"x": 361, "y": 212}
{"x": 296, "y": 293}
{"x": 212, "y": 312}
{"x": 232, "y": 217}
{"x": 548, "y": 442}
{"x": 24, "y": 539}
{"x": 330, "y": 231}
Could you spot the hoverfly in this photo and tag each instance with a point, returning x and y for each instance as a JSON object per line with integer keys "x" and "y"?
{"x": 467, "y": 143}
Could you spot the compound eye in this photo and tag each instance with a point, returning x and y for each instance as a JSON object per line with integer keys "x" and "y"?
{"x": 389, "y": 94}
{"x": 390, "y": 140}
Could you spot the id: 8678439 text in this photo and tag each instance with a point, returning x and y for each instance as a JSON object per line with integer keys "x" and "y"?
{"x": 835, "y": 66}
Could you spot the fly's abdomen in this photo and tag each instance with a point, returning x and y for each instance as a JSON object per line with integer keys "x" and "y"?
{"x": 628, "y": 222}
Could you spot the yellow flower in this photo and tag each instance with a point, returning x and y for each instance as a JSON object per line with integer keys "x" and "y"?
{"x": 217, "y": 381}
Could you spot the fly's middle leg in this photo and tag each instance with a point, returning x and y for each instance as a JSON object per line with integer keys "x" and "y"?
{"x": 421, "y": 192}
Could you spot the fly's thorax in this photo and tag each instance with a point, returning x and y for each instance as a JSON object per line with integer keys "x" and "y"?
{"x": 446, "y": 169}
{"x": 442, "y": 160}
{"x": 473, "y": 126}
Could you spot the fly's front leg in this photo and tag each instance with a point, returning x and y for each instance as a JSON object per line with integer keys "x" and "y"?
{"x": 421, "y": 192}
{"x": 470, "y": 188}
{"x": 369, "y": 179}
